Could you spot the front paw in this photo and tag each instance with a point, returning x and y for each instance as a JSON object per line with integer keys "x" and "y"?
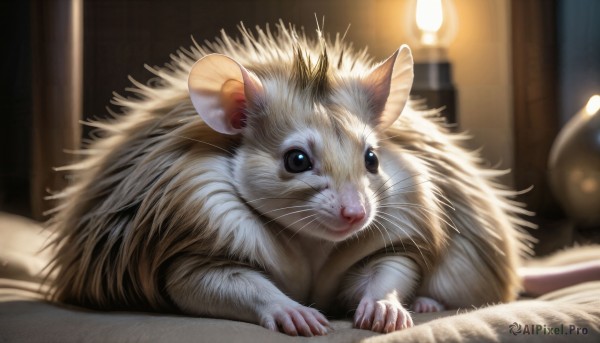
{"x": 381, "y": 315}
{"x": 294, "y": 319}
{"x": 425, "y": 304}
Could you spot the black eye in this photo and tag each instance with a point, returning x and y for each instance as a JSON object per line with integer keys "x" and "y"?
{"x": 296, "y": 161}
{"x": 371, "y": 161}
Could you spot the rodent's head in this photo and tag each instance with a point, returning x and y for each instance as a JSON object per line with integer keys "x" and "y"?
{"x": 309, "y": 153}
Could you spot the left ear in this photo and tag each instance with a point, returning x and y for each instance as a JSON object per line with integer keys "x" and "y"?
{"x": 389, "y": 86}
{"x": 220, "y": 90}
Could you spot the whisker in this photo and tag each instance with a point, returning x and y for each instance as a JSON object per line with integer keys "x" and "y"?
{"x": 309, "y": 185}
{"x": 447, "y": 201}
{"x": 285, "y": 208}
{"x": 299, "y": 220}
{"x": 397, "y": 191}
{"x": 377, "y": 191}
{"x": 277, "y": 198}
{"x": 400, "y": 220}
{"x": 287, "y": 214}
{"x": 424, "y": 208}
{"x": 440, "y": 198}
{"x": 376, "y": 224}
{"x": 376, "y": 220}
{"x": 407, "y": 235}
{"x": 303, "y": 226}
{"x": 411, "y": 176}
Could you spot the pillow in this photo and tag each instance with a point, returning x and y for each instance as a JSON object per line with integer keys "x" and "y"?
{"x": 21, "y": 248}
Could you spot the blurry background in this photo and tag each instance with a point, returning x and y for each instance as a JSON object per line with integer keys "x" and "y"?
{"x": 521, "y": 69}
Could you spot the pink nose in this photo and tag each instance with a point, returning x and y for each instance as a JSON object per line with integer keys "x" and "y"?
{"x": 353, "y": 214}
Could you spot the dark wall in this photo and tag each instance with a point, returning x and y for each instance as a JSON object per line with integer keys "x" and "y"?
{"x": 120, "y": 36}
{"x": 579, "y": 54}
{"x": 15, "y": 106}
{"x": 123, "y": 35}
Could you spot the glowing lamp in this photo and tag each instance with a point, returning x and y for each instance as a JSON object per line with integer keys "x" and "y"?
{"x": 429, "y": 17}
{"x": 431, "y": 27}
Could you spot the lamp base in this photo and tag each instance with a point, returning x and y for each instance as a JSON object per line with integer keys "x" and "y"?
{"x": 433, "y": 82}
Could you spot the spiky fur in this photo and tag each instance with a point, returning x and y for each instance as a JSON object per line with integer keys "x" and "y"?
{"x": 154, "y": 205}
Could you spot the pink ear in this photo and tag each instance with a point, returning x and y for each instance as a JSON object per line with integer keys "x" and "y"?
{"x": 220, "y": 89}
{"x": 233, "y": 102}
{"x": 389, "y": 86}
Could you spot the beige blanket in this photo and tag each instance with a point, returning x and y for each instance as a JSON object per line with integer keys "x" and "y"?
{"x": 568, "y": 315}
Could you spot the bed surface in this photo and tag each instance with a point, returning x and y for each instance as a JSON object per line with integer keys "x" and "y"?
{"x": 26, "y": 317}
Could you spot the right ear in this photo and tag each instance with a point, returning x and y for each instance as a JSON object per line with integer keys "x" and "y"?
{"x": 389, "y": 84}
{"x": 220, "y": 89}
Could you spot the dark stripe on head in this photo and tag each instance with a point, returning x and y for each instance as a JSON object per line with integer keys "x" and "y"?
{"x": 313, "y": 78}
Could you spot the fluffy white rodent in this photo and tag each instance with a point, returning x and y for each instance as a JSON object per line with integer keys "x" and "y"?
{"x": 265, "y": 175}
